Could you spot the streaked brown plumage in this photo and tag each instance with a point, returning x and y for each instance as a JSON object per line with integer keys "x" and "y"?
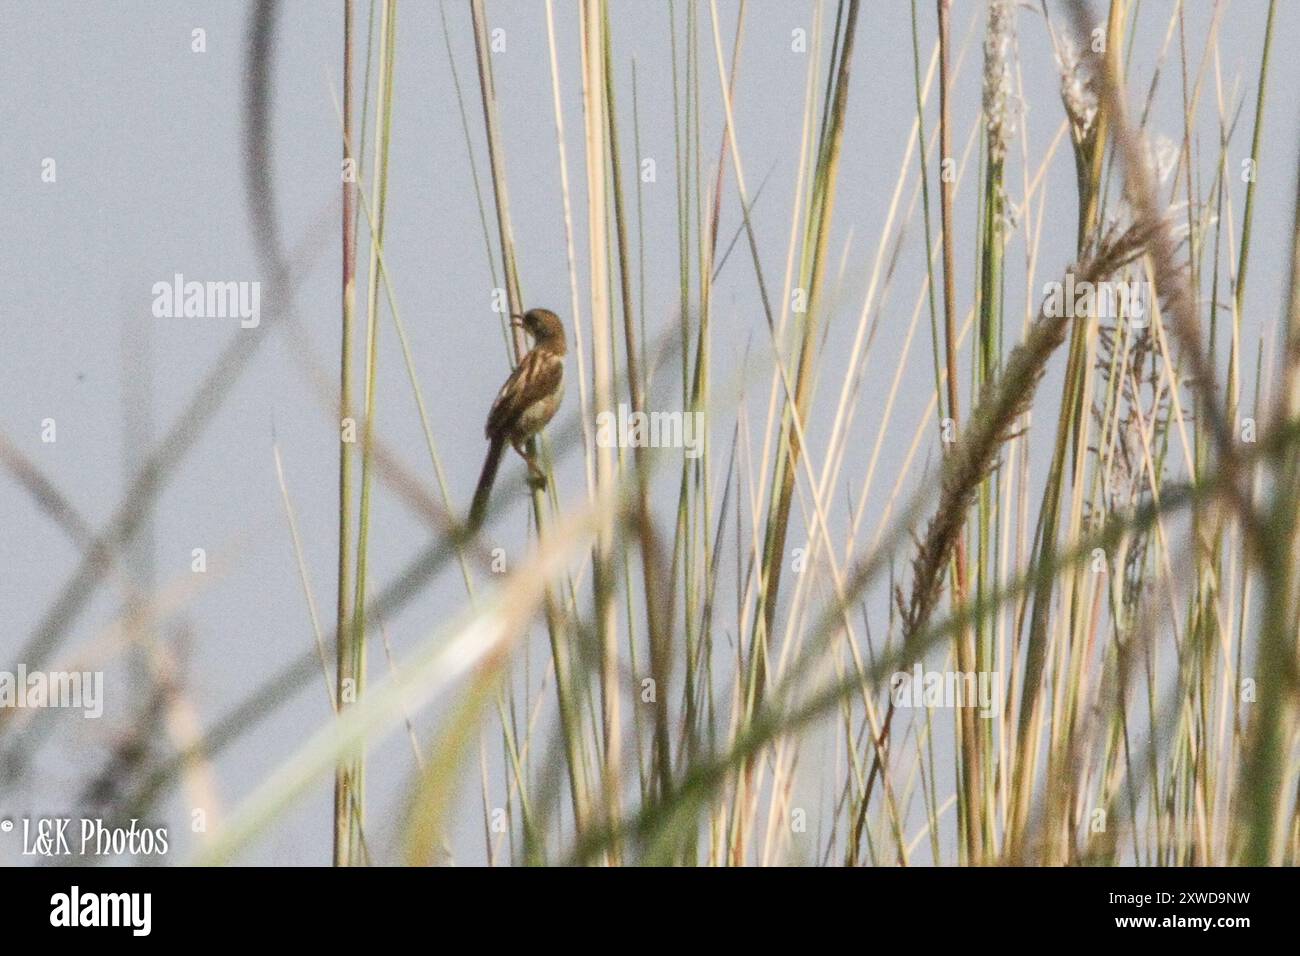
{"x": 526, "y": 402}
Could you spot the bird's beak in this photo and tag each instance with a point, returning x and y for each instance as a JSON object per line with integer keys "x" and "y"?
{"x": 517, "y": 321}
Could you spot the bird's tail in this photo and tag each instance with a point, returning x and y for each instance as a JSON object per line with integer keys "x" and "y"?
{"x": 485, "y": 480}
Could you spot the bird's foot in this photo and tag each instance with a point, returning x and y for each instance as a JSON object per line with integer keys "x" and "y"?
{"x": 536, "y": 480}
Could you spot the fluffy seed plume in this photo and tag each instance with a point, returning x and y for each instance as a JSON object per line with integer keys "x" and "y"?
{"x": 999, "y": 44}
{"x": 1078, "y": 90}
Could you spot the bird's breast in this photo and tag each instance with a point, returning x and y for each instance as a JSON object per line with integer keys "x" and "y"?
{"x": 534, "y": 418}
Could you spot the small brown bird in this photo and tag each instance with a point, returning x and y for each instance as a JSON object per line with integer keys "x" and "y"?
{"x": 526, "y": 402}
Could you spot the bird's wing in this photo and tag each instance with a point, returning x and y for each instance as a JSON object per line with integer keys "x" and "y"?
{"x": 534, "y": 378}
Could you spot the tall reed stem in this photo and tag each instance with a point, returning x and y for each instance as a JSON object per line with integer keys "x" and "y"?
{"x": 342, "y": 779}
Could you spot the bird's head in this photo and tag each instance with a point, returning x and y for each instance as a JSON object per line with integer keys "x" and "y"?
{"x": 545, "y": 327}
